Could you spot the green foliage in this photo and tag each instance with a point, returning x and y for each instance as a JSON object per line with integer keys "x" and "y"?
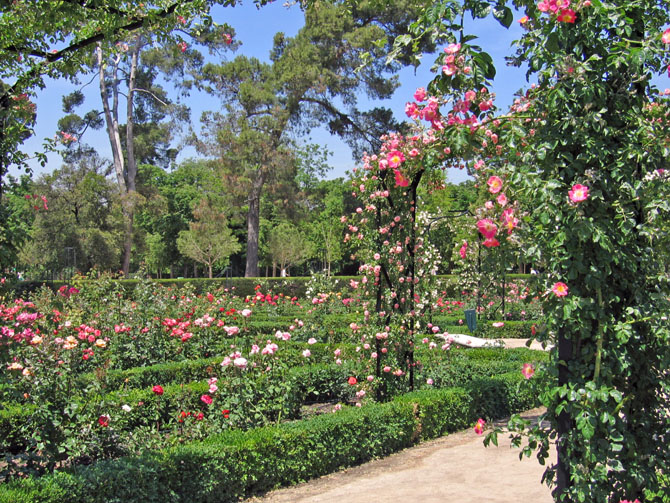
{"x": 287, "y": 246}
{"x": 595, "y": 119}
{"x": 15, "y": 219}
{"x": 208, "y": 239}
{"x": 84, "y": 215}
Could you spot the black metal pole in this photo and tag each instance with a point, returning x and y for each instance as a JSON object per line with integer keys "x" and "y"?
{"x": 564, "y": 422}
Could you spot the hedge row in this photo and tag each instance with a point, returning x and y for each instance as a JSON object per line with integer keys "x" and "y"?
{"x": 339, "y": 328}
{"x": 292, "y": 286}
{"x": 236, "y": 464}
{"x": 291, "y": 355}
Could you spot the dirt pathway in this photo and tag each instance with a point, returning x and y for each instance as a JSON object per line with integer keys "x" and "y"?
{"x": 454, "y": 468}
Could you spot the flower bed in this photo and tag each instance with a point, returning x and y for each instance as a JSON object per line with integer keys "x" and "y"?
{"x": 91, "y": 374}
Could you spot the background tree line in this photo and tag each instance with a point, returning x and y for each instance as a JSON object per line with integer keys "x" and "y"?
{"x": 255, "y": 198}
{"x": 188, "y": 223}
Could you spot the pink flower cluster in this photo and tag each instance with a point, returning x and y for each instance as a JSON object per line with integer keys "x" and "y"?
{"x": 560, "y": 8}
{"x": 37, "y": 207}
{"x": 453, "y": 62}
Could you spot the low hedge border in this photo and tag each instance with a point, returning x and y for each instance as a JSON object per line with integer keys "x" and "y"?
{"x": 235, "y": 464}
{"x": 291, "y": 286}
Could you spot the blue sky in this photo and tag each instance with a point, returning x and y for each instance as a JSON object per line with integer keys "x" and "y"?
{"x": 255, "y": 28}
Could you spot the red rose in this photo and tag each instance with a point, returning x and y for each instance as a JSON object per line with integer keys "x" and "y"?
{"x": 352, "y": 381}
{"x": 158, "y": 389}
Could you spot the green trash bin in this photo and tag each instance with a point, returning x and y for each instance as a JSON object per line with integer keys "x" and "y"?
{"x": 471, "y": 319}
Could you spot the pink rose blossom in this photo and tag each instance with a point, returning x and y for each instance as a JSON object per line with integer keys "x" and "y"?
{"x": 487, "y": 228}
{"x": 479, "y": 427}
{"x": 527, "y": 370}
{"x": 463, "y": 250}
{"x": 395, "y": 158}
{"x": 578, "y": 193}
{"x": 452, "y": 48}
{"x": 566, "y": 16}
{"x": 420, "y": 94}
{"x": 560, "y": 289}
{"x": 449, "y": 70}
{"x": 485, "y": 105}
{"x": 400, "y": 179}
{"x": 495, "y": 184}
{"x": 411, "y": 110}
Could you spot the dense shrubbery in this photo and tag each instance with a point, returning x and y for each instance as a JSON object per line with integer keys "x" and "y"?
{"x": 92, "y": 372}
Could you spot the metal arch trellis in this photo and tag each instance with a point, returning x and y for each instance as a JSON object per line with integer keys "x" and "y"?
{"x": 385, "y": 281}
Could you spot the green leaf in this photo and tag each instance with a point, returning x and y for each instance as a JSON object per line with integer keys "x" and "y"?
{"x": 402, "y": 40}
{"x": 504, "y": 16}
{"x": 616, "y": 395}
{"x": 552, "y": 42}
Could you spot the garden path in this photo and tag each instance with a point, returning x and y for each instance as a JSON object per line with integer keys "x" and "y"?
{"x": 521, "y": 343}
{"x": 476, "y": 342}
{"x": 453, "y": 468}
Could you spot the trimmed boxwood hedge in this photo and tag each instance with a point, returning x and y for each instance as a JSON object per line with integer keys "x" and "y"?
{"x": 291, "y": 286}
{"x": 236, "y": 464}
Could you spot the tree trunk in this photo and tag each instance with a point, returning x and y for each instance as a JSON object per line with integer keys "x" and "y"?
{"x": 131, "y": 166}
{"x": 253, "y": 224}
{"x": 209, "y": 270}
{"x": 111, "y": 119}
{"x": 127, "y": 244}
{"x": 125, "y": 173}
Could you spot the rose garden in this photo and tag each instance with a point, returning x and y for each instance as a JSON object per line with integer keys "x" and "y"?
{"x": 221, "y": 389}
